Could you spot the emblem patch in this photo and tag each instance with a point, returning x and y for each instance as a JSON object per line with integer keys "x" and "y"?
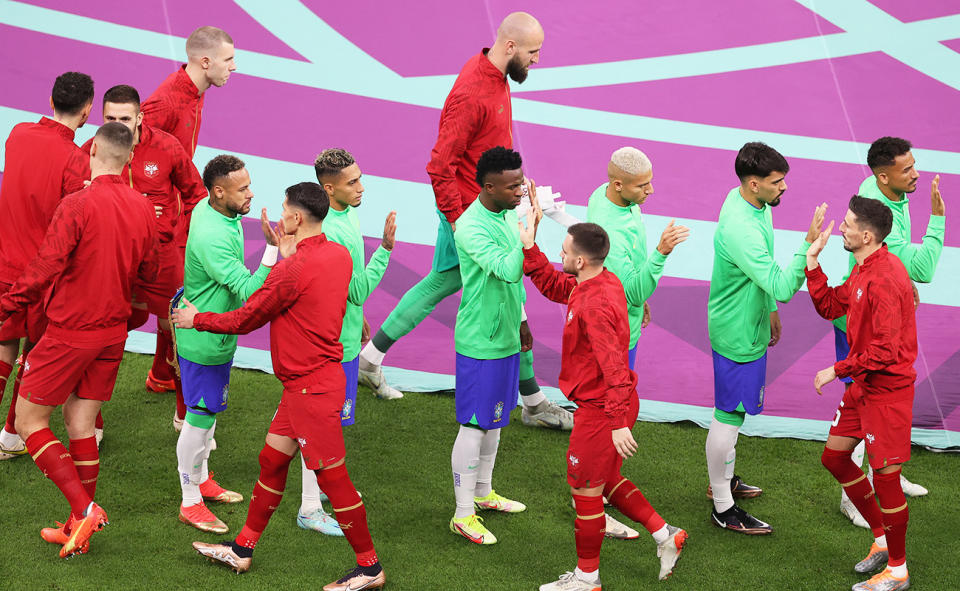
{"x": 151, "y": 169}
{"x": 498, "y": 412}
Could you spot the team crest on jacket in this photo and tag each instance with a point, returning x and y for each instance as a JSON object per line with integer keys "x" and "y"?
{"x": 498, "y": 412}
{"x": 151, "y": 169}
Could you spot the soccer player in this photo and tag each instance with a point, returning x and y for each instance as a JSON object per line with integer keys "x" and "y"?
{"x": 41, "y": 166}
{"x": 476, "y": 117}
{"x": 100, "y": 240}
{"x": 743, "y": 320}
{"x": 162, "y": 171}
{"x": 304, "y": 298}
{"x": 215, "y": 280}
{"x": 339, "y": 175}
{"x": 894, "y": 177}
{"x": 595, "y": 374}
{"x": 487, "y": 337}
{"x": 878, "y": 301}
{"x": 176, "y": 107}
{"x": 615, "y": 206}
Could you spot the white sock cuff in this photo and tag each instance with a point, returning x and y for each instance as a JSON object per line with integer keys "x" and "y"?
{"x": 534, "y": 399}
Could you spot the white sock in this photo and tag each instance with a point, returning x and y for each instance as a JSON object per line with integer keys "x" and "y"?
{"x": 881, "y": 541}
{"x": 371, "y": 354}
{"x": 208, "y": 447}
{"x": 310, "y": 490}
{"x": 531, "y": 400}
{"x": 488, "y": 457}
{"x": 730, "y": 463}
{"x": 9, "y": 440}
{"x": 588, "y": 577}
{"x": 721, "y": 443}
{"x": 661, "y": 535}
{"x": 898, "y": 571}
{"x": 190, "y": 453}
{"x": 465, "y": 460}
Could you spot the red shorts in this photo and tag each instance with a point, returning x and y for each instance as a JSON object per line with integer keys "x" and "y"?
{"x": 29, "y": 323}
{"x": 313, "y": 420}
{"x": 592, "y": 460}
{"x": 157, "y": 295}
{"x": 54, "y": 370}
{"x": 884, "y": 424}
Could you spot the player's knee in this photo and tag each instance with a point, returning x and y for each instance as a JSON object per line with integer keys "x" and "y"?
{"x": 273, "y": 460}
{"x": 834, "y": 459}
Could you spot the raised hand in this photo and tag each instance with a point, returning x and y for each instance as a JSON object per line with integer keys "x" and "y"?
{"x": 936, "y": 201}
{"x": 671, "y": 237}
{"x": 183, "y": 317}
{"x": 389, "y": 231}
{"x": 528, "y": 234}
{"x": 817, "y": 222}
{"x": 270, "y": 234}
{"x": 816, "y": 247}
{"x": 287, "y": 242}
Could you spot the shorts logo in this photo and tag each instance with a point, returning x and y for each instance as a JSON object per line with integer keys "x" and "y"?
{"x": 26, "y": 366}
{"x": 226, "y": 390}
{"x": 347, "y": 409}
{"x": 859, "y": 293}
{"x": 498, "y": 412}
{"x": 151, "y": 169}
{"x": 302, "y": 441}
{"x": 870, "y": 438}
{"x": 574, "y": 460}
{"x": 760, "y": 397}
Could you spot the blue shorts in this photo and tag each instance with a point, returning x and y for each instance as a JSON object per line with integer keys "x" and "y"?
{"x": 487, "y": 390}
{"x": 739, "y": 386}
{"x": 632, "y": 356}
{"x": 205, "y": 387}
{"x": 843, "y": 349}
{"x": 351, "y": 369}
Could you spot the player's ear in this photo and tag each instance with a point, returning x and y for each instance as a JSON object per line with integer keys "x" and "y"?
{"x": 883, "y": 178}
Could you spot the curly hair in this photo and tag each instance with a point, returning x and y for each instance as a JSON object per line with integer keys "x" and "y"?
{"x": 885, "y": 150}
{"x": 496, "y": 160}
{"x": 71, "y": 92}
{"x": 220, "y": 167}
{"x": 331, "y": 161}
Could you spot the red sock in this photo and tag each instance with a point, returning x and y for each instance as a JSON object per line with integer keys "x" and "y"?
{"x": 893, "y": 504}
{"x": 267, "y": 494}
{"x": 163, "y": 358}
{"x": 181, "y": 405}
{"x": 588, "y": 529}
{"x": 86, "y": 459}
{"x": 12, "y": 411}
{"x": 57, "y": 465}
{"x": 98, "y": 423}
{"x": 626, "y": 497}
{"x": 349, "y": 511}
{"x": 138, "y": 317}
{"x": 5, "y": 370}
{"x": 856, "y": 485}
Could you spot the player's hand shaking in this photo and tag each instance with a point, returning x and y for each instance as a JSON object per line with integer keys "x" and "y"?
{"x": 936, "y": 200}
{"x": 671, "y": 237}
{"x": 389, "y": 231}
{"x": 817, "y": 222}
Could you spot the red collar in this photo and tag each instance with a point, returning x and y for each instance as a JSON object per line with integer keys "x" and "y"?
{"x": 58, "y": 127}
{"x": 184, "y": 84}
{"x": 488, "y": 69}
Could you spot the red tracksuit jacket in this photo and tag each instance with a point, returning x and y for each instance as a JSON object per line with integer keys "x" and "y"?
{"x": 41, "y": 166}
{"x": 881, "y": 322}
{"x": 476, "y": 117}
{"x": 162, "y": 170}
{"x": 594, "y": 367}
{"x": 304, "y": 298}
{"x": 175, "y": 107}
{"x": 100, "y": 241}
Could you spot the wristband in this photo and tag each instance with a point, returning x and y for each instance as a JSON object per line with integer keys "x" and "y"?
{"x": 523, "y": 313}
{"x": 270, "y": 256}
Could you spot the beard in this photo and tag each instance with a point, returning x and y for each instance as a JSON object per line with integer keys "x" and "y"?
{"x": 776, "y": 201}
{"x": 516, "y": 70}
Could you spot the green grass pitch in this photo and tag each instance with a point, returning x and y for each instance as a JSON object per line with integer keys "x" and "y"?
{"x": 398, "y": 455}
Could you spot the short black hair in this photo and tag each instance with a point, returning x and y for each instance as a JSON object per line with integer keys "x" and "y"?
{"x": 220, "y": 167}
{"x": 115, "y": 141}
{"x": 496, "y": 160}
{"x": 885, "y": 150}
{"x": 873, "y": 214}
{"x": 122, "y": 94}
{"x": 331, "y": 161}
{"x": 590, "y": 240}
{"x": 310, "y": 197}
{"x": 71, "y": 92}
{"x": 759, "y": 159}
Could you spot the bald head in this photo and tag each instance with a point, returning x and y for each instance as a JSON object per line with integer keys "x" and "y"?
{"x": 519, "y": 27}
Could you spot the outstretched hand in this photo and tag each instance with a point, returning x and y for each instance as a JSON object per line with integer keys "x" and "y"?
{"x": 816, "y": 247}
{"x": 288, "y": 242}
{"x": 528, "y": 233}
{"x": 671, "y": 237}
{"x": 817, "y": 222}
{"x": 272, "y": 235}
{"x": 183, "y": 317}
{"x": 936, "y": 200}
{"x": 389, "y": 231}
